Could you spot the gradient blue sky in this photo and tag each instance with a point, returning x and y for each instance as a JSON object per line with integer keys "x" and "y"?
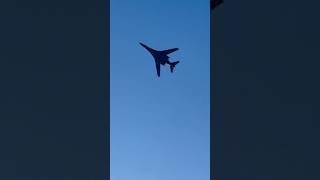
{"x": 160, "y": 126}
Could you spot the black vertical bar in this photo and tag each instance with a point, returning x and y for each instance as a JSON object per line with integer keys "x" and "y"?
{"x": 54, "y": 95}
{"x": 215, "y": 131}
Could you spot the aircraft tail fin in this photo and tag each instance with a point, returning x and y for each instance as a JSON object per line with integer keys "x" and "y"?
{"x": 173, "y": 65}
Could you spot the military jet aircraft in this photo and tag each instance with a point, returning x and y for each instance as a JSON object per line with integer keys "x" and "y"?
{"x": 161, "y": 57}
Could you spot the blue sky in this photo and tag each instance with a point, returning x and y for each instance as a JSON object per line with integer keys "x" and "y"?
{"x": 160, "y": 126}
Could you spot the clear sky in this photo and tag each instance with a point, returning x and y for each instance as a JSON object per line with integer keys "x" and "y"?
{"x": 160, "y": 126}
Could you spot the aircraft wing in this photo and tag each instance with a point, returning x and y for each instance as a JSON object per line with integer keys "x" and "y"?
{"x": 158, "y": 68}
{"x": 168, "y": 51}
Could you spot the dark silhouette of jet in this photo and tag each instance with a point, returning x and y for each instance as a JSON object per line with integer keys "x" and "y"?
{"x": 215, "y": 3}
{"x": 161, "y": 57}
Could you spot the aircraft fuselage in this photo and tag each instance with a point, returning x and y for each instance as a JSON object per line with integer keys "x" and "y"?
{"x": 160, "y": 57}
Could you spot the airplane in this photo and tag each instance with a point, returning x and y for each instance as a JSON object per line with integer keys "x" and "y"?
{"x": 161, "y": 57}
